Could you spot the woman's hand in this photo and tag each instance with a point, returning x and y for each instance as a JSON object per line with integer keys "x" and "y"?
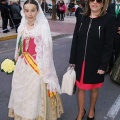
{"x": 72, "y": 65}
{"x": 100, "y": 72}
{"x": 118, "y": 30}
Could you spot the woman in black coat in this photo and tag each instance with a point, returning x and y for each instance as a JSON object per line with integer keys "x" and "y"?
{"x": 91, "y": 51}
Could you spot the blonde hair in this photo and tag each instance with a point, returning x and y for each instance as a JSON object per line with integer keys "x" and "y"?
{"x": 103, "y": 10}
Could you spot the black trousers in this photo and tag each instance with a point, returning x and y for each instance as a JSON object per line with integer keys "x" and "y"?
{"x": 11, "y": 23}
{"x": 16, "y": 23}
{"x": 58, "y": 14}
{"x": 5, "y": 23}
{"x": 61, "y": 15}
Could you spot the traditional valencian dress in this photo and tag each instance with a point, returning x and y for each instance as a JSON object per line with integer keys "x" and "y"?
{"x": 29, "y": 98}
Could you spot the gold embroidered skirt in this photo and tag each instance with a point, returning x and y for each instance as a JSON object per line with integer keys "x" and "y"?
{"x": 29, "y": 97}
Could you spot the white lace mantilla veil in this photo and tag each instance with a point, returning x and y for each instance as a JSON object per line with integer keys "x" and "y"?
{"x": 45, "y": 62}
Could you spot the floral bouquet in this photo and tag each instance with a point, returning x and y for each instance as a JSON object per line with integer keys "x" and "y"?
{"x": 8, "y": 66}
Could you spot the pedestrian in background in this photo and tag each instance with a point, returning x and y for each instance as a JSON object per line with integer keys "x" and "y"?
{"x": 114, "y": 9}
{"x": 91, "y": 51}
{"x": 35, "y": 86}
{"x": 58, "y": 10}
{"x": 44, "y": 6}
{"x": 79, "y": 10}
{"x": 15, "y": 11}
{"x": 109, "y": 1}
{"x": 11, "y": 23}
{"x": 62, "y": 9}
{"x": 5, "y": 11}
{"x": 70, "y": 6}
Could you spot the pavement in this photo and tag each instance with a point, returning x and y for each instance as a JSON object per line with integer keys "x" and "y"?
{"x": 58, "y": 28}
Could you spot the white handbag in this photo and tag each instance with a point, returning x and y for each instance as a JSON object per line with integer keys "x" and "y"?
{"x": 68, "y": 81}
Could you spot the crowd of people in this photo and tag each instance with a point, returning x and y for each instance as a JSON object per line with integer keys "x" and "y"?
{"x": 60, "y": 9}
{"x": 71, "y": 8}
{"x": 10, "y": 13}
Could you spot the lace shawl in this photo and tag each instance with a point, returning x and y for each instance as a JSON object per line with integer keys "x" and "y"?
{"x": 44, "y": 57}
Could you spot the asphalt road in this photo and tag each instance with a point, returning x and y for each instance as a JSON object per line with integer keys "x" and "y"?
{"x": 108, "y": 105}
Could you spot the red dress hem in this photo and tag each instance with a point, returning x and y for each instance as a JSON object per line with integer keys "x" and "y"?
{"x": 84, "y": 86}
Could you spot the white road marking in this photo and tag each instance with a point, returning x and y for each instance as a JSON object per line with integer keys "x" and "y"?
{"x": 114, "y": 109}
{"x": 7, "y": 50}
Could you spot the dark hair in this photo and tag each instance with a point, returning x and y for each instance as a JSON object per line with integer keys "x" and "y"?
{"x": 3, "y": 1}
{"x": 103, "y": 10}
{"x": 32, "y": 2}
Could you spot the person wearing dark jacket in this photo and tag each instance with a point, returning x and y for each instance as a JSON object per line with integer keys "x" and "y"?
{"x": 15, "y": 10}
{"x": 91, "y": 51}
{"x": 62, "y": 9}
{"x": 70, "y": 6}
{"x": 114, "y": 9}
{"x": 11, "y": 23}
{"x": 5, "y": 11}
{"x": 57, "y": 10}
{"x": 79, "y": 10}
{"x": 44, "y": 6}
{"x": 115, "y": 71}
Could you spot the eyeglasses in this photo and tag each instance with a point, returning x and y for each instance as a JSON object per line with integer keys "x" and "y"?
{"x": 98, "y": 1}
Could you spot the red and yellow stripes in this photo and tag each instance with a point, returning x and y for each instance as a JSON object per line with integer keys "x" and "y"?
{"x": 31, "y": 62}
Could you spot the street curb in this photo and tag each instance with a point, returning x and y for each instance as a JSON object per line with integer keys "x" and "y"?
{"x": 9, "y": 37}
{"x": 60, "y": 36}
{"x": 15, "y": 36}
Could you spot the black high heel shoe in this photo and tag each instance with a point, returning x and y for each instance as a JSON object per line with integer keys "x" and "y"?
{"x": 91, "y": 118}
{"x": 83, "y": 114}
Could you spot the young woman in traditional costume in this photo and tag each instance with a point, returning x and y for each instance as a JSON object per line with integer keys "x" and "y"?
{"x": 35, "y": 87}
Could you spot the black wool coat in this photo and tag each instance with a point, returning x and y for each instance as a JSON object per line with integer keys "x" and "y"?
{"x": 92, "y": 42}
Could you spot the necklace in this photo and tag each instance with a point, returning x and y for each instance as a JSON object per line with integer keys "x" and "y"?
{"x": 30, "y": 24}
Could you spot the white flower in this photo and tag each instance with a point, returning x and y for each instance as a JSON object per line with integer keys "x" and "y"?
{"x": 8, "y": 66}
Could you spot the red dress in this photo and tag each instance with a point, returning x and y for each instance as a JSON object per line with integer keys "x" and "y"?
{"x": 84, "y": 86}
